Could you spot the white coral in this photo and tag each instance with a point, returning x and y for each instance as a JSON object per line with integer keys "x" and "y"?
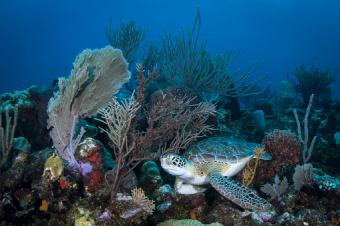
{"x": 276, "y": 189}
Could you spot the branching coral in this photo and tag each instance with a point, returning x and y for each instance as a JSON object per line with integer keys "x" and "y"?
{"x": 139, "y": 197}
{"x": 304, "y": 134}
{"x": 137, "y": 205}
{"x": 172, "y": 124}
{"x": 96, "y": 75}
{"x": 118, "y": 118}
{"x": 312, "y": 81}
{"x": 187, "y": 63}
{"x": 276, "y": 189}
{"x": 7, "y": 135}
{"x": 127, "y": 37}
{"x": 174, "y": 121}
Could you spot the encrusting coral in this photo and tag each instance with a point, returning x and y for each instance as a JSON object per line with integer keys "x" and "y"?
{"x": 96, "y": 75}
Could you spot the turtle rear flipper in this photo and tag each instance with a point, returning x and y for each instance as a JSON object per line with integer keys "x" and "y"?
{"x": 237, "y": 193}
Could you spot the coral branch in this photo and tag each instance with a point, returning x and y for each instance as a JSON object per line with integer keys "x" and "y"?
{"x": 7, "y": 135}
{"x": 307, "y": 151}
{"x": 117, "y": 116}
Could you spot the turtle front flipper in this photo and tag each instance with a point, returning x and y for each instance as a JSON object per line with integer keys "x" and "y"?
{"x": 187, "y": 189}
{"x": 237, "y": 193}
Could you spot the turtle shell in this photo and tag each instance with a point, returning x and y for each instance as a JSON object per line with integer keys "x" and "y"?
{"x": 222, "y": 149}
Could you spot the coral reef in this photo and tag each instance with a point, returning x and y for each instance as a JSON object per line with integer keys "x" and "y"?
{"x": 89, "y": 154}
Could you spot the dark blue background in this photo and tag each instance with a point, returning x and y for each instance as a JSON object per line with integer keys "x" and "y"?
{"x": 40, "y": 39}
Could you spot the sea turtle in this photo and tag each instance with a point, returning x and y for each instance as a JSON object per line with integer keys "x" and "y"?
{"x": 213, "y": 161}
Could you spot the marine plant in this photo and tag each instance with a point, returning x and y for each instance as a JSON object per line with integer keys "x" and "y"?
{"x": 127, "y": 37}
{"x": 7, "y": 132}
{"x": 96, "y": 76}
{"x": 117, "y": 117}
{"x": 173, "y": 122}
{"x": 186, "y": 62}
{"x": 312, "y": 81}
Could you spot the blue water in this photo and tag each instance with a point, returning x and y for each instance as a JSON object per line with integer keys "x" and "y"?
{"x": 40, "y": 39}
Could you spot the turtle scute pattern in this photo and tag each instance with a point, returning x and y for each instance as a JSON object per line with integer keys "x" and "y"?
{"x": 237, "y": 193}
{"x": 220, "y": 148}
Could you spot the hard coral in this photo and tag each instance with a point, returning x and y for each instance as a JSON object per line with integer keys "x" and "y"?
{"x": 285, "y": 150}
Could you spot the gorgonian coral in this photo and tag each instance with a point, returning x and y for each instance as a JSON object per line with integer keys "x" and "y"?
{"x": 312, "y": 81}
{"x": 127, "y": 37}
{"x": 187, "y": 63}
{"x": 7, "y": 135}
{"x": 96, "y": 75}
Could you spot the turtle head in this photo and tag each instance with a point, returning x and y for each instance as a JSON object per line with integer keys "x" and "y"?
{"x": 173, "y": 164}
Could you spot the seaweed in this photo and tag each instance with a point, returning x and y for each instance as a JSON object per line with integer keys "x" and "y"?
{"x": 127, "y": 37}
{"x": 186, "y": 62}
{"x": 312, "y": 81}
